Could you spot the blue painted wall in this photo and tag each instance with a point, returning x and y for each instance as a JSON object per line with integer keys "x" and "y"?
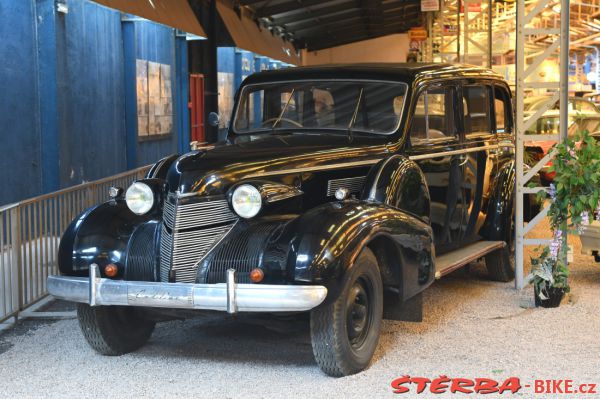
{"x": 156, "y": 43}
{"x": 20, "y": 151}
{"x": 68, "y": 85}
{"x": 92, "y": 112}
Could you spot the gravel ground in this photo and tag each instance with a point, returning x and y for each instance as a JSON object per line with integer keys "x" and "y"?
{"x": 472, "y": 328}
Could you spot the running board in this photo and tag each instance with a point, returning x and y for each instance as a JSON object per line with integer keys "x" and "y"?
{"x": 454, "y": 260}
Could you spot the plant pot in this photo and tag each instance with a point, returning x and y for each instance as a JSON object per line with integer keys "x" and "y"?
{"x": 554, "y": 295}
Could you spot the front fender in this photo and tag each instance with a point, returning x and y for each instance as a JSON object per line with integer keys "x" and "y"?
{"x": 324, "y": 242}
{"x": 399, "y": 182}
{"x": 99, "y": 235}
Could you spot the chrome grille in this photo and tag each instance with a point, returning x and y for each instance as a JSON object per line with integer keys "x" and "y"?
{"x": 166, "y": 247}
{"x": 189, "y": 231}
{"x": 352, "y": 184}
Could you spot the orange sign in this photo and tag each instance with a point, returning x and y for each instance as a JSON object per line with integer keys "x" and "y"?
{"x": 417, "y": 34}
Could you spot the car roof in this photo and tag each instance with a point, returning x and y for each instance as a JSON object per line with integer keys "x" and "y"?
{"x": 401, "y": 72}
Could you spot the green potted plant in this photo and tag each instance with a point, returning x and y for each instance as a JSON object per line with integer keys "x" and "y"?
{"x": 573, "y": 198}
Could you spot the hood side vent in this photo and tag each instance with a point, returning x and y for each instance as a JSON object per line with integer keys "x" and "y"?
{"x": 352, "y": 184}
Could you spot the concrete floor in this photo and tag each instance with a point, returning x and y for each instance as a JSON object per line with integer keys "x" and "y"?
{"x": 472, "y": 328}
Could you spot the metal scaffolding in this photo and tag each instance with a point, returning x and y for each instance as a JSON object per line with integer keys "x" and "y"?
{"x": 526, "y": 64}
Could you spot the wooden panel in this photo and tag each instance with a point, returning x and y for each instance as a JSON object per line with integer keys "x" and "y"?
{"x": 175, "y": 13}
{"x": 248, "y": 36}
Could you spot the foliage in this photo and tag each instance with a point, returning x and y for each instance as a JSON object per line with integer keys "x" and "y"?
{"x": 574, "y": 196}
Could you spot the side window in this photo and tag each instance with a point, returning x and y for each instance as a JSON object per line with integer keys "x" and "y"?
{"x": 476, "y": 109}
{"x": 502, "y": 110}
{"x": 434, "y": 115}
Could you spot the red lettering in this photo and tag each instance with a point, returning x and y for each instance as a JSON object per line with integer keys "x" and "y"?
{"x": 539, "y": 386}
{"x": 398, "y": 383}
{"x": 439, "y": 385}
{"x": 461, "y": 385}
{"x": 421, "y": 383}
{"x": 592, "y": 388}
{"x": 569, "y": 386}
{"x": 485, "y": 386}
{"x": 513, "y": 384}
{"x": 556, "y": 386}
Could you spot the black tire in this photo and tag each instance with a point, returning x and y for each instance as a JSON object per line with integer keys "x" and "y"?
{"x": 113, "y": 330}
{"x": 499, "y": 266}
{"x": 342, "y": 348}
{"x": 499, "y": 263}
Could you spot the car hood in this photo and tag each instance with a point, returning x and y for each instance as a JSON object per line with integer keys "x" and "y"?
{"x": 213, "y": 171}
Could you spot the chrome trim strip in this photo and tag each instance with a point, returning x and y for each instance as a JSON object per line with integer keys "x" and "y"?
{"x": 315, "y": 168}
{"x": 94, "y": 274}
{"x": 231, "y": 303}
{"x": 248, "y": 297}
{"x": 453, "y": 152}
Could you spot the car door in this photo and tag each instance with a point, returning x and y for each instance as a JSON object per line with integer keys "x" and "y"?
{"x": 479, "y": 158}
{"x": 433, "y": 142}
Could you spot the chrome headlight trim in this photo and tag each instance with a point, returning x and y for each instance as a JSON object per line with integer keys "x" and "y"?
{"x": 139, "y": 198}
{"x": 246, "y": 201}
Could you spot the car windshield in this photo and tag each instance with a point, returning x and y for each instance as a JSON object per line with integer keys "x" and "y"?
{"x": 360, "y": 106}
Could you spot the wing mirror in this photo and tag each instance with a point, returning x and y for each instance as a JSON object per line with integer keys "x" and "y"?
{"x": 213, "y": 119}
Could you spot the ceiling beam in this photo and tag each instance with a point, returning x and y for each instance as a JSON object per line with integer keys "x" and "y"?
{"x": 316, "y": 13}
{"x": 294, "y": 5}
{"x": 324, "y": 44}
{"x": 350, "y": 24}
{"x": 356, "y": 28}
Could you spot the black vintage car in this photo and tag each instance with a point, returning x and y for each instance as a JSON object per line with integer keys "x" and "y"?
{"x": 342, "y": 191}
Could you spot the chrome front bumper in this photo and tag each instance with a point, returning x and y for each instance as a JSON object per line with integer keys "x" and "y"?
{"x": 230, "y": 297}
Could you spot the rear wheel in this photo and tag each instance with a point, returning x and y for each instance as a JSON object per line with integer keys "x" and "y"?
{"x": 113, "y": 330}
{"x": 499, "y": 263}
{"x": 345, "y": 332}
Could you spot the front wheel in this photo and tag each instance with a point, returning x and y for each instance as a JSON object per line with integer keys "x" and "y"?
{"x": 113, "y": 330}
{"x": 345, "y": 332}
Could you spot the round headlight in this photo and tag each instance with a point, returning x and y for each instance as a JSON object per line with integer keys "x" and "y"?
{"x": 246, "y": 201}
{"x": 139, "y": 198}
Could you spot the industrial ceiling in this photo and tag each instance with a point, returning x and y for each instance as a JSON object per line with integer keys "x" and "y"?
{"x": 319, "y": 24}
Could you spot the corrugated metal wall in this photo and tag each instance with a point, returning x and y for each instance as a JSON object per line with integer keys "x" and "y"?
{"x": 20, "y": 158}
{"x": 92, "y": 106}
{"x": 67, "y": 82}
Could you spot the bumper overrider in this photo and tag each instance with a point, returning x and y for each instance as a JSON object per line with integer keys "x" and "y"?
{"x": 229, "y": 296}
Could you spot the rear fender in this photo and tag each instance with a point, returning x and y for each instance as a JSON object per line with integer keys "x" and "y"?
{"x": 496, "y": 226}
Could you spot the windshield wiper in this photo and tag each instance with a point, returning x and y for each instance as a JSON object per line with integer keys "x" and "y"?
{"x": 353, "y": 120}
{"x": 282, "y": 111}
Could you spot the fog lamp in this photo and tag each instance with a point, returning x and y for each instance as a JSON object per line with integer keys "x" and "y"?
{"x": 257, "y": 275}
{"x": 111, "y": 270}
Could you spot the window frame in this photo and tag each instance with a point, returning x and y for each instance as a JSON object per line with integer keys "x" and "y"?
{"x": 508, "y": 110}
{"x": 454, "y": 86}
{"x": 489, "y": 86}
{"x": 242, "y": 90}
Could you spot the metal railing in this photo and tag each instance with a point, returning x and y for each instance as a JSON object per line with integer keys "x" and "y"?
{"x": 30, "y": 232}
